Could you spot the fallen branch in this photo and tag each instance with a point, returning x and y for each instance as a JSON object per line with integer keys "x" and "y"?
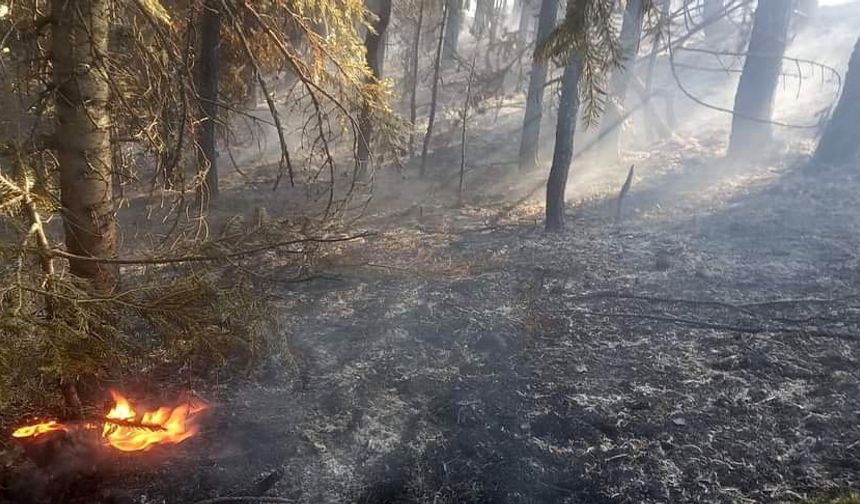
{"x": 205, "y": 258}
{"x": 660, "y": 299}
{"x": 724, "y": 327}
{"x": 118, "y": 422}
{"x": 219, "y": 500}
{"x": 624, "y": 188}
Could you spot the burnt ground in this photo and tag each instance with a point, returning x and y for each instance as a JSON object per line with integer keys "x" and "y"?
{"x": 705, "y": 349}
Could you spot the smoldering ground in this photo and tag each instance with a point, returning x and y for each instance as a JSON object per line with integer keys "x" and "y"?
{"x": 703, "y": 349}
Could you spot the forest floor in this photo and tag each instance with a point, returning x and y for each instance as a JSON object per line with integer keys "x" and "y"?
{"x": 705, "y": 349}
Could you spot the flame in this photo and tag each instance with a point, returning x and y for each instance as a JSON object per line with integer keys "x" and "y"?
{"x": 39, "y": 429}
{"x": 125, "y": 430}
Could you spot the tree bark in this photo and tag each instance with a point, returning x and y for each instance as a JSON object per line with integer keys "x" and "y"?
{"x": 437, "y": 65}
{"x": 375, "y": 48}
{"x": 840, "y": 143}
{"x": 207, "y": 85}
{"x": 481, "y": 23}
{"x": 526, "y": 18}
{"x": 711, "y": 11}
{"x": 453, "y": 26}
{"x": 79, "y": 46}
{"x": 413, "y": 96}
{"x": 568, "y": 114}
{"x": 530, "y": 139}
{"x": 631, "y": 36}
{"x": 757, "y": 87}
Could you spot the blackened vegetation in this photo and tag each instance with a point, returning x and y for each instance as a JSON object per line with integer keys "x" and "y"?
{"x": 456, "y": 367}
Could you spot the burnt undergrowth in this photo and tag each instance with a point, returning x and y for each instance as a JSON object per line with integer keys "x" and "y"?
{"x": 705, "y": 349}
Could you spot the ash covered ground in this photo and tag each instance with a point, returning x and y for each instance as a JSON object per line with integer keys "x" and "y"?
{"x": 703, "y": 349}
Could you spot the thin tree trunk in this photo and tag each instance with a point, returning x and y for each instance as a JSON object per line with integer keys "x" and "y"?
{"x": 651, "y": 117}
{"x": 757, "y": 87}
{"x": 413, "y": 97}
{"x": 465, "y": 118}
{"x": 437, "y": 65}
{"x": 496, "y": 19}
{"x": 453, "y": 26}
{"x": 530, "y": 140}
{"x": 207, "y": 85}
{"x": 568, "y": 114}
{"x": 526, "y": 18}
{"x": 375, "y": 48}
{"x": 840, "y": 143}
{"x": 481, "y": 23}
{"x": 80, "y": 41}
{"x": 711, "y": 11}
{"x": 631, "y": 35}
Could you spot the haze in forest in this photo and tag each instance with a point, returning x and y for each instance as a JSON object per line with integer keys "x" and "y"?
{"x": 431, "y": 251}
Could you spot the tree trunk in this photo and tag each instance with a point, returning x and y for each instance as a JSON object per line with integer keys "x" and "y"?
{"x": 840, "y": 143}
{"x": 79, "y": 46}
{"x": 413, "y": 96}
{"x": 631, "y": 35}
{"x": 757, "y": 87}
{"x": 207, "y": 86}
{"x": 437, "y": 65}
{"x": 481, "y": 23}
{"x": 526, "y": 18}
{"x": 453, "y": 25}
{"x": 373, "y": 43}
{"x": 530, "y": 140}
{"x": 711, "y": 11}
{"x": 568, "y": 114}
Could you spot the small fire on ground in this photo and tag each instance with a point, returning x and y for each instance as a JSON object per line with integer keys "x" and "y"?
{"x": 125, "y": 429}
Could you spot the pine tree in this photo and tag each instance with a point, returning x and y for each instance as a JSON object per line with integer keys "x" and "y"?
{"x": 80, "y": 41}
{"x": 530, "y": 138}
{"x": 839, "y": 144}
{"x": 757, "y": 86}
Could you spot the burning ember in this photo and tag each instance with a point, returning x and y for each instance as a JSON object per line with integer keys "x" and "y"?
{"x": 39, "y": 429}
{"x": 126, "y": 430}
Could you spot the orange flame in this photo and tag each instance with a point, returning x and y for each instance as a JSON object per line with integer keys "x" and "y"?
{"x": 165, "y": 425}
{"x": 127, "y": 431}
{"x": 39, "y": 429}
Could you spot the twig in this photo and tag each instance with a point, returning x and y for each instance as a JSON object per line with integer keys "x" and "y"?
{"x": 622, "y": 193}
{"x": 725, "y": 327}
{"x": 248, "y": 498}
{"x": 799, "y": 300}
{"x": 133, "y": 424}
{"x": 659, "y": 299}
{"x": 677, "y": 320}
{"x": 463, "y": 132}
{"x": 262, "y": 485}
{"x": 205, "y": 258}
{"x": 725, "y": 110}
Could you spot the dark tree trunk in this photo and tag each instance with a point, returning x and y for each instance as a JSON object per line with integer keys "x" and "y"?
{"x": 453, "y": 25}
{"x": 207, "y": 86}
{"x": 711, "y": 11}
{"x": 437, "y": 65}
{"x": 631, "y": 35}
{"x": 373, "y": 43}
{"x": 568, "y": 114}
{"x": 79, "y": 44}
{"x": 413, "y": 84}
{"x": 840, "y": 143}
{"x": 757, "y": 87}
{"x": 530, "y": 140}
{"x": 483, "y": 13}
{"x": 526, "y": 19}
